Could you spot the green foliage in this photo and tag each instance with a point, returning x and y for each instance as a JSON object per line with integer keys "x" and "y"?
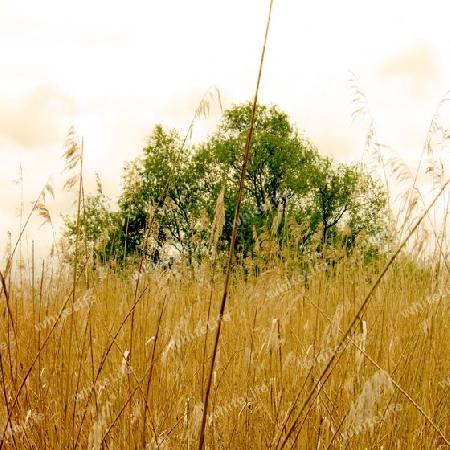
{"x": 277, "y": 169}
{"x": 170, "y": 182}
{"x": 278, "y": 156}
{"x": 294, "y": 197}
{"x": 346, "y": 202}
{"x": 98, "y": 231}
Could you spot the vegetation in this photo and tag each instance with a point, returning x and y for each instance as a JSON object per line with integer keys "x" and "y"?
{"x": 329, "y": 333}
{"x": 289, "y": 187}
{"x": 273, "y": 349}
{"x": 348, "y": 355}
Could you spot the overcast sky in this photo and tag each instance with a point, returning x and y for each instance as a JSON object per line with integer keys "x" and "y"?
{"x": 115, "y": 69}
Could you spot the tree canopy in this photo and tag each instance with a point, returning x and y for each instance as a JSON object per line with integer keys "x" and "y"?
{"x": 293, "y": 196}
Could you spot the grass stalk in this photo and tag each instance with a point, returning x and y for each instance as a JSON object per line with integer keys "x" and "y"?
{"x": 233, "y": 236}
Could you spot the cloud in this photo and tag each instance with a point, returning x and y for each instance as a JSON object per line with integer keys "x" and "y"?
{"x": 36, "y": 118}
{"x": 418, "y": 65}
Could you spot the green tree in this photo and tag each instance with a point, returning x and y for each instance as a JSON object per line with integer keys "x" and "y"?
{"x": 344, "y": 202}
{"x": 171, "y": 181}
{"x": 277, "y": 169}
{"x": 99, "y": 231}
{"x": 287, "y": 182}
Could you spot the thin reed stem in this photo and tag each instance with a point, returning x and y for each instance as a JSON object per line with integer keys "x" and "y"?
{"x": 234, "y": 235}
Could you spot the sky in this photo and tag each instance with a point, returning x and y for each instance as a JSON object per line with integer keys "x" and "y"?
{"x": 114, "y": 70}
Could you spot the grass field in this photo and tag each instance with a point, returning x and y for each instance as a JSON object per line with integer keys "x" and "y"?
{"x": 305, "y": 355}
{"x": 119, "y": 369}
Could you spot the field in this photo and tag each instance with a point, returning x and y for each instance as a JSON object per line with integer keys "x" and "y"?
{"x": 112, "y": 367}
{"x": 336, "y": 338}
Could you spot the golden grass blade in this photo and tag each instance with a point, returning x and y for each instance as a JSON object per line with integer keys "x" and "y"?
{"x": 234, "y": 235}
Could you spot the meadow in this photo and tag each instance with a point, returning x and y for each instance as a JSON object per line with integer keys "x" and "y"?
{"x": 124, "y": 369}
{"x": 230, "y": 353}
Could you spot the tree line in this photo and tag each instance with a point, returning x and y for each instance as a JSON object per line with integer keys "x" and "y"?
{"x": 297, "y": 202}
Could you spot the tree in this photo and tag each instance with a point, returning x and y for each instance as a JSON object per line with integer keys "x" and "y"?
{"x": 288, "y": 182}
{"x": 168, "y": 181}
{"x": 99, "y": 231}
{"x": 346, "y": 202}
{"x": 277, "y": 169}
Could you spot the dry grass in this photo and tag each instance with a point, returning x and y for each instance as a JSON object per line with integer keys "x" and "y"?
{"x": 356, "y": 357}
{"x": 271, "y": 353}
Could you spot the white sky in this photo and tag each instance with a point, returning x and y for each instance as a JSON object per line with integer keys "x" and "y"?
{"x": 115, "y": 69}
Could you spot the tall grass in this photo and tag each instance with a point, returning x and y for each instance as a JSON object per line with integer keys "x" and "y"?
{"x": 233, "y": 238}
{"x": 354, "y": 356}
{"x": 273, "y": 354}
